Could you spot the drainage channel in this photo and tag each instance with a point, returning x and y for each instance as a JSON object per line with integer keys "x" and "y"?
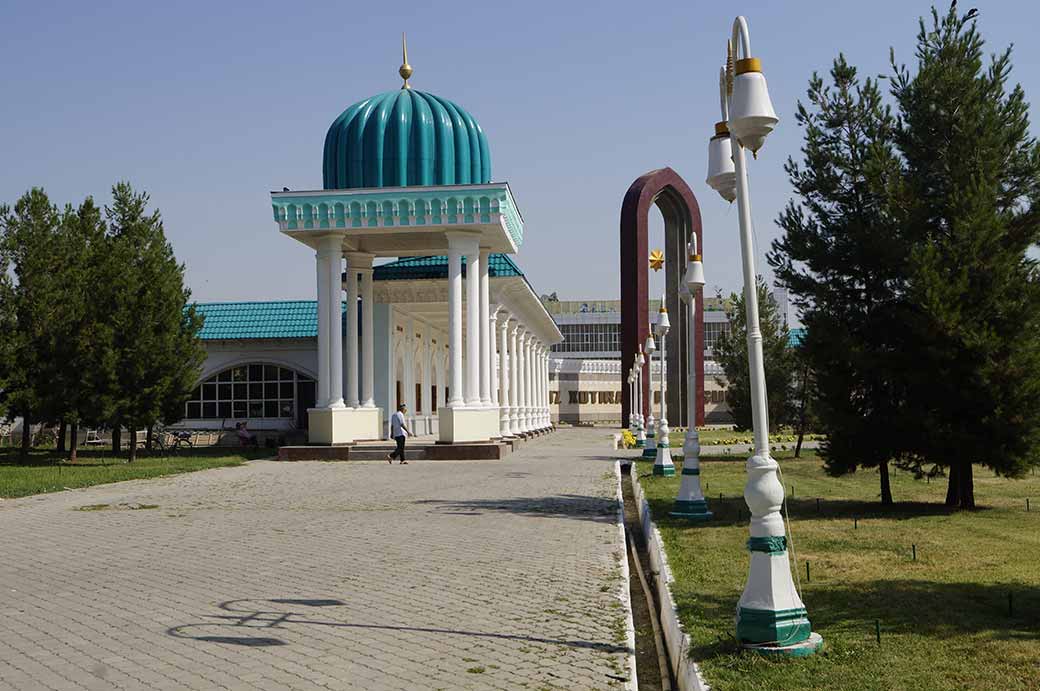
{"x": 655, "y": 672}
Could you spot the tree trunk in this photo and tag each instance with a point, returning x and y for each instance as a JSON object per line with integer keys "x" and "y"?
{"x": 74, "y": 443}
{"x": 148, "y": 441}
{"x": 953, "y": 491}
{"x": 26, "y": 436}
{"x": 131, "y": 434}
{"x": 801, "y": 415}
{"x": 116, "y": 439}
{"x": 886, "y": 485}
{"x": 63, "y": 429}
{"x": 967, "y": 487}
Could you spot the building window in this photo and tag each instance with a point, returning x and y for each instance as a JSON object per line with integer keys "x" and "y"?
{"x": 253, "y": 391}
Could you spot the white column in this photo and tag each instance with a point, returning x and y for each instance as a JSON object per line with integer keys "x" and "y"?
{"x": 351, "y": 342}
{"x": 368, "y": 304}
{"x": 334, "y": 259}
{"x": 425, "y": 378}
{"x": 494, "y": 354}
{"x": 514, "y": 377}
{"x": 409, "y": 371}
{"x": 486, "y": 348}
{"x": 521, "y": 389}
{"x": 543, "y": 383}
{"x": 321, "y": 267}
{"x": 473, "y": 325}
{"x": 540, "y": 375}
{"x": 454, "y": 377}
{"x": 525, "y": 383}
{"x": 503, "y": 373}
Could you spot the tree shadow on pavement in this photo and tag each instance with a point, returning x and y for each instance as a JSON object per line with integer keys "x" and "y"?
{"x": 586, "y": 508}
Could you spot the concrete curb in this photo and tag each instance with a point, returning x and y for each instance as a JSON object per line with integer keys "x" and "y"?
{"x": 687, "y": 672}
{"x": 625, "y": 594}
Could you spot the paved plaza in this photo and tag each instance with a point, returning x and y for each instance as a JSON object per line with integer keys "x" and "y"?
{"x": 431, "y": 575}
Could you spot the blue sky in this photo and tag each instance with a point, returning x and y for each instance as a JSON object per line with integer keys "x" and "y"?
{"x": 210, "y": 106}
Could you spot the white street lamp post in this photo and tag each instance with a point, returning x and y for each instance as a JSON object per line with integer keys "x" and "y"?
{"x": 663, "y": 464}
{"x": 650, "y": 450}
{"x": 690, "y": 503}
{"x": 771, "y": 617}
{"x": 640, "y": 432}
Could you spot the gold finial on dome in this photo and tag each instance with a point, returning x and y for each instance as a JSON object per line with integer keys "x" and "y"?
{"x": 405, "y": 70}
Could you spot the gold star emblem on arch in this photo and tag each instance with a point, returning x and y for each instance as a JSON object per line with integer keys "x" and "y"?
{"x": 656, "y": 260}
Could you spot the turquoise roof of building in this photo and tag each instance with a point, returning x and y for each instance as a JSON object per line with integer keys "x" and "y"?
{"x": 410, "y": 268}
{"x": 405, "y": 138}
{"x": 240, "y": 320}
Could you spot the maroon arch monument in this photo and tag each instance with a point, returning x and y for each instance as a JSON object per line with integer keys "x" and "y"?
{"x": 682, "y": 216}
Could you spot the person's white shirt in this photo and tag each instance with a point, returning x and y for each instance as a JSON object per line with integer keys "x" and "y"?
{"x": 397, "y": 425}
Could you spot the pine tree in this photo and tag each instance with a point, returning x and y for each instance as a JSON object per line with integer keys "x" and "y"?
{"x": 844, "y": 262}
{"x": 30, "y": 240}
{"x": 970, "y": 196}
{"x": 731, "y": 353}
{"x": 84, "y": 333}
{"x": 155, "y": 330}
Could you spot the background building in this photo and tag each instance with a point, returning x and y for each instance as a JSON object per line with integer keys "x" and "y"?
{"x": 585, "y": 369}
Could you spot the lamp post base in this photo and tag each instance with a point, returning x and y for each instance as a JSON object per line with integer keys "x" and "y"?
{"x": 694, "y": 510}
{"x": 805, "y": 648}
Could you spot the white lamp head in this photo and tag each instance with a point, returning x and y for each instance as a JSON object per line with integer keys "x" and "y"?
{"x": 663, "y": 324}
{"x": 694, "y": 277}
{"x": 640, "y": 360}
{"x": 650, "y": 345}
{"x": 722, "y": 175}
{"x": 751, "y": 114}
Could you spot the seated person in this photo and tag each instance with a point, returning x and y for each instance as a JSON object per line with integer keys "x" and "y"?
{"x": 245, "y": 437}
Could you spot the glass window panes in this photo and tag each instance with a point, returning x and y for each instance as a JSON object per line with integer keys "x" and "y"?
{"x": 248, "y": 391}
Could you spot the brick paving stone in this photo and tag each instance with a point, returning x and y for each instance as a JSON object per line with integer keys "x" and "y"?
{"x": 476, "y": 575}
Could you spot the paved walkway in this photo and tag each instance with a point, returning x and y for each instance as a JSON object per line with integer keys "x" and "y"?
{"x": 476, "y": 575}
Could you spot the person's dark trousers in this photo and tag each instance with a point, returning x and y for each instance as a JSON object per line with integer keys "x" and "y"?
{"x": 399, "y": 453}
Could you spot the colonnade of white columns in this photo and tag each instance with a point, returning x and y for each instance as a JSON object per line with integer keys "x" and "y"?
{"x": 517, "y": 388}
{"x": 340, "y": 384}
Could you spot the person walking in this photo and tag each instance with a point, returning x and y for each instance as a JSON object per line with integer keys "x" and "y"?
{"x": 398, "y": 431}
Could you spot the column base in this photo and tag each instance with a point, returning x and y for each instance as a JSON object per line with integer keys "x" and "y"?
{"x": 457, "y": 425}
{"x": 343, "y": 425}
{"x": 696, "y": 510}
{"x": 808, "y": 647}
{"x": 664, "y": 470}
{"x": 778, "y": 628}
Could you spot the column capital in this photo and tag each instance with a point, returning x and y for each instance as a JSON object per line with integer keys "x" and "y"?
{"x": 468, "y": 243}
{"x": 359, "y": 260}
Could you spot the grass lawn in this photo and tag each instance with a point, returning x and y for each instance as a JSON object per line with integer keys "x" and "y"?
{"x": 715, "y": 436}
{"x": 46, "y": 471}
{"x": 944, "y": 617}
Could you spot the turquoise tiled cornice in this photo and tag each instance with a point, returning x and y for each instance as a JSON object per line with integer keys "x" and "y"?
{"x": 441, "y": 205}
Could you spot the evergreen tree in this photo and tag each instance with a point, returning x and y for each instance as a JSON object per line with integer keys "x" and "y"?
{"x": 30, "y": 239}
{"x": 844, "y": 261}
{"x": 84, "y": 332}
{"x": 970, "y": 196}
{"x": 157, "y": 353}
{"x": 731, "y": 354}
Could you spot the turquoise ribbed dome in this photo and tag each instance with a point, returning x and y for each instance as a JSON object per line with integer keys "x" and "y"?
{"x": 402, "y": 138}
